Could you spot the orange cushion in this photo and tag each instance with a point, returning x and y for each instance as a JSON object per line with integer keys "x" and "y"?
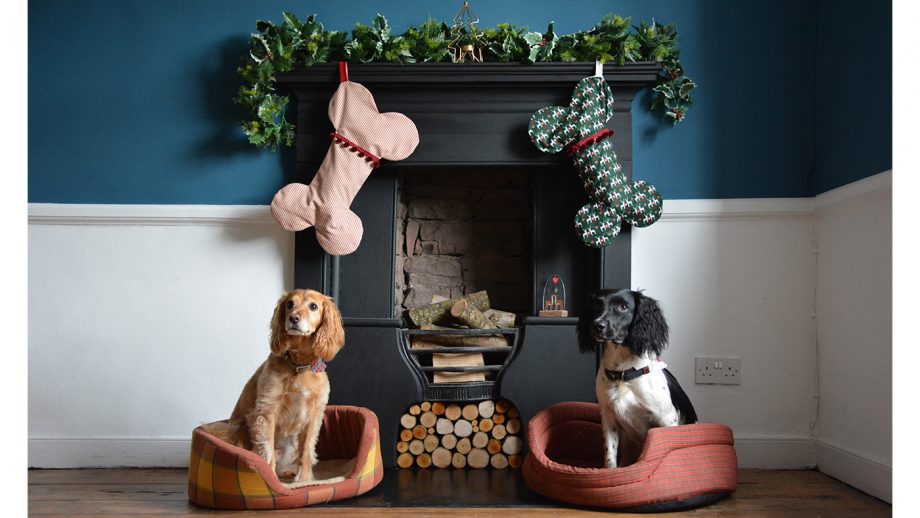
{"x": 223, "y": 476}
{"x": 677, "y": 464}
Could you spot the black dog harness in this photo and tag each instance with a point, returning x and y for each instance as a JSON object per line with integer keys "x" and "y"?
{"x": 627, "y": 375}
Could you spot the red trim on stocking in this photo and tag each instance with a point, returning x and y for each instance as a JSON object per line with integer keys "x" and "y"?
{"x": 367, "y": 155}
{"x": 343, "y": 71}
{"x": 585, "y": 142}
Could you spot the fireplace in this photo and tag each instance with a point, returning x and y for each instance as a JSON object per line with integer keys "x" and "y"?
{"x": 472, "y": 121}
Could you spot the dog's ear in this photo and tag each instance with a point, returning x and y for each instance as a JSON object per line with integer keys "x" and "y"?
{"x": 330, "y": 337}
{"x": 649, "y": 330}
{"x": 279, "y": 341}
{"x": 586, "y": 343}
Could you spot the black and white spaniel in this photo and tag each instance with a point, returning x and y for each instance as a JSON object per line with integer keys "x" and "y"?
{"x": 634, "y": 389}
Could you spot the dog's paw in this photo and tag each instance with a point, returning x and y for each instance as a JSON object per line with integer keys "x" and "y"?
{"x": 304, "y": 475}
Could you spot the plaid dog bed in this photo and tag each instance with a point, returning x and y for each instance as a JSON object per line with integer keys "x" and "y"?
{"x": 680, "y": 467}
{"x": 222, "y": 476}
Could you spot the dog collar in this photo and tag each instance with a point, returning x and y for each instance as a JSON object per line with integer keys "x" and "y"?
{"x": 632, "y": 373}
{"x": 318, "y": 365}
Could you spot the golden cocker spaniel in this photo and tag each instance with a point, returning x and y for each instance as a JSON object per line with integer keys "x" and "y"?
{"x": 280, "y": 411}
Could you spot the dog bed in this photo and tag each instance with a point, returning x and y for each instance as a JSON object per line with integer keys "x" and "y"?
{"x": 680, "y": 467}
{"x": 223, "y": 476}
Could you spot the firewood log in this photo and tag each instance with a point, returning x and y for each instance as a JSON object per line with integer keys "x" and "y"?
{"x": 458, "y": 340}
{"x": 449, "y": 441}
{"x": 423, "y": 460}
{"x": 512, "y": 445}
{"x": 498, "y": 418}
{"x": 502, "y": 406}
{"x": 513, "y": 426}
{"x": 405, "y": 460}
{"x": 402, "y": 446}
{"x": 457, "y": 360}
{"x": 500, "y": 318}
{"x": 441, "y": 311}
{"x": 437, "y": 408}
{"x": 485, "y": 425}
{"x": 493, "y": 446}
{"x": 477, "y": 458}
{"x": 453, "y": 412}
{"x": 444, "y": 426}
{"x": 431, "y": 442}
{"x": 466, "y": 313}
{"x": 486, "y": 408}
{"x": 463, "y": 428}
{"x": 419, "y": 432}
{"x": 480, "y": 440}
{"x": 407, "y": 421}
{"x": 499, "y": 461}
{"x": 514, "y": 461}
{"x": 415, "y": 410}
{"x": 470, "y": 412}
{"x": 441, "y": 457}
{"x": 416, "y": 447}
{"x": 405, "y": 435}
{"x": 458, "y": 460}
{"x": 428, "y": 419}
{"x": 513, "y": 413}
{"x": 499, "y": 432}
{"x": 425, "y": 406}
{"x": 464, "y": 446}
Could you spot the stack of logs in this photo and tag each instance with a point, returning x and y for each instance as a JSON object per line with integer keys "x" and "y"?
{"x": 460, "y": 435}
{"x": 469, "y": 312}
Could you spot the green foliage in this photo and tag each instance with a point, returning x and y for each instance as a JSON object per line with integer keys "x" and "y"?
{"x": 295, "y": 43}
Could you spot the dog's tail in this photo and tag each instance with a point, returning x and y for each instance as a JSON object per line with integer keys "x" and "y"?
{"x": 229, "y": 432}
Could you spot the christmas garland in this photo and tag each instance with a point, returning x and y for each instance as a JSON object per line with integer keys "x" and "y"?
{"x": 294, "y": 43}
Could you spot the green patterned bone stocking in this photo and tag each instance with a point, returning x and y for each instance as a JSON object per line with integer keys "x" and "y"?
{"x": 582, "y": 127}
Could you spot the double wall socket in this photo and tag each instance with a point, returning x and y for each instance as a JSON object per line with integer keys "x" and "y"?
{"x": 718, "y": 371}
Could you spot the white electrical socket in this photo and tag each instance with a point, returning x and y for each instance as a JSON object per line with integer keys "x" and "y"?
{"x": 718, "y": 371}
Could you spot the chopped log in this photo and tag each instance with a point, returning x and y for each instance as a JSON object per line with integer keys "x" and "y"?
{"x": 441, "y": 458}
{"x": 499, "y": 432}
{"x": 513, "y": 426}
{"x": 416, "y": 447}
{"x": 441, "y": 310}
{"x": 438, "y": 298}
{"x": 402, "y": 446}
{"x": 437, "y": 408}
{"x": 419, "y": 432}
{"x": 464, "y": 446}
{"x": 465, "y": 312}
{"x": 407, "y": 421}
{"x": 514, "y": 461}
{"x": 428, "y": 419}
{"x": 475, "y": 428}
{"x": 457, "y": 360}
{"x": 498, "y": 418}
{"x": 500, "y": 318}
{"x": 513, "y": 413}
{"x": 425, "y": 406}
{"x": 405, "y": 435}
{"x": 449, "y": 441}
{"x": 477, "y": 458}
{"x": 502, "y": 406}
{"x": 415, "y": 410}
{"x": 431, "y": 431}
{"x": 485, "y": 425}
{"x": 499, "y": 461}
{"x": 512, "y": 445}
{"x": 453, "y": 412}
{"x": 458, "y": 460}
{"x": 487, "y": 408}
{"x": 423, "y": 460}
{"x": 444, "y": 426}
{"x": 480, "y": 440}
{"x": 405, "y": 460}
{"x": 463, "y": 428}
{"x": 459, "y": 340}
{"x": 493, "y": 446}
{"x": 470, "y": 412}
{"x": 431, "y": 442}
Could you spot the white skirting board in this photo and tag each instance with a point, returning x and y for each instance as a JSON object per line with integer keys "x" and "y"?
{"x": 858, "y": 469}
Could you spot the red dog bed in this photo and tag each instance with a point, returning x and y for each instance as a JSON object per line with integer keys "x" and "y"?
{"x": 681, "y": 467}
{"x": 222, "y": 476}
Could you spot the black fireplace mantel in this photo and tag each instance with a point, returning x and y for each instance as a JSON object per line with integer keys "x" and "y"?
{"x": 475, "y": 113}
{"x": 467, "y": 115}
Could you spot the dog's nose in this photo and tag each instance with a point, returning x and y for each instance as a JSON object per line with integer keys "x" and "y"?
{"x": 600, "y": 325}
{"x": 294, "y": 319}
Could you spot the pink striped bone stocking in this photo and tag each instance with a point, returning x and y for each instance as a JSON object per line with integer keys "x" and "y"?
{"x": 362, "y": 136}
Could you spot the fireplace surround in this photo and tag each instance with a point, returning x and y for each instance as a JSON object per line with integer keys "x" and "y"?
{"x": 470, "y": 117}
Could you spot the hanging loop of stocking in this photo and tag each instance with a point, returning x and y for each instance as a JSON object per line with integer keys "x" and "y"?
{"x": 343, "y": 71}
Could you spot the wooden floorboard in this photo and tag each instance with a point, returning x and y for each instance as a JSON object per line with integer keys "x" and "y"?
{"x": 158, "y": 492}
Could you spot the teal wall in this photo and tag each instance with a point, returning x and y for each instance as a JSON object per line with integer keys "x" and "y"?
{"x": 131, "y": 101}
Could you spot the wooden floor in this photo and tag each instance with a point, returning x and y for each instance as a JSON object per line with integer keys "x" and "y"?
{"x": 125, "y": 492}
